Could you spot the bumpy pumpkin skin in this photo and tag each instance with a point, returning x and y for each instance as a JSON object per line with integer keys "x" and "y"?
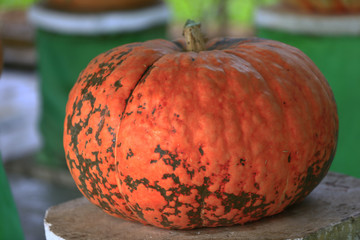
{"x": 93, "y": 113}
{"x": 325, "y": 6}
{"x": 216, "y": 138}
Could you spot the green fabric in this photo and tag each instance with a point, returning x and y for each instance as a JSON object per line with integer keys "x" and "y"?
{"x": 61, "y": 59}
{"x": 10, "y": 227}
{"x": 338, "y": 57}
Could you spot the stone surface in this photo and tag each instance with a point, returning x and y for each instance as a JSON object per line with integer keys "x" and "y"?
{"x": 331, "y": 211}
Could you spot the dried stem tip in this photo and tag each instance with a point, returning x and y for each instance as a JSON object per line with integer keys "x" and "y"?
{"x": 193, "y": 36}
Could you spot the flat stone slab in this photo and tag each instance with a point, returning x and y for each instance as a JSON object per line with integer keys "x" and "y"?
{"x": 331, "y": 211}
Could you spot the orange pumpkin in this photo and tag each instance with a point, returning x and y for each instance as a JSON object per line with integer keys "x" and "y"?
{"x": 98, "y": 6}
{"x": 325, "y": 6}
{"x": 224, "y": 133}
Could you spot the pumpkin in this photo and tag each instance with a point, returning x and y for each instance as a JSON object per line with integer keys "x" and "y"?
{"x": 98, "y": 6}
{"x": 188, "y": 134}
{"x": 325, "y": 6}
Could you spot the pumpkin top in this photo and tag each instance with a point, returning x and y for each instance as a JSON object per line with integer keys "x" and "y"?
{"x": 194, "y": 38}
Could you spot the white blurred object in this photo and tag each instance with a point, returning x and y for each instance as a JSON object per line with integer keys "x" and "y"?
{"x": 98, "y": 23}
{"x": 318, "y": 25}
{"x": 19, "y": 114}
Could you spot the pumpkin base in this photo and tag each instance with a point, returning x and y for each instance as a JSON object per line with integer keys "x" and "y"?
{"x": 339, "y": 217}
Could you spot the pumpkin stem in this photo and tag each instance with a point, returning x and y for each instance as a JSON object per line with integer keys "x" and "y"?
{"x": 194, "y": 38}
